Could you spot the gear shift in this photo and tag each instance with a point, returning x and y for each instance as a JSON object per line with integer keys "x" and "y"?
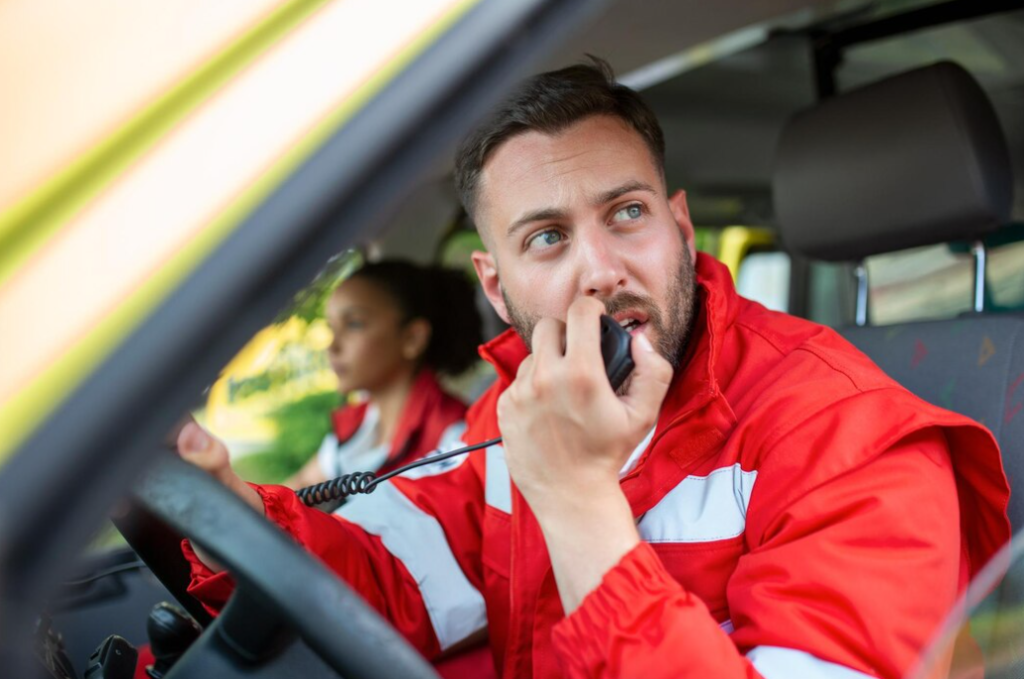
{"x": 171, "y": 631}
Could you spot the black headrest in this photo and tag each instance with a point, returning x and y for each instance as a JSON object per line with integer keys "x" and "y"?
{"x": 912, "y": 160}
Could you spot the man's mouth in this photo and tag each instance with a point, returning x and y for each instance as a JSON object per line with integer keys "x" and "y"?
{"x": 631, "y": 322}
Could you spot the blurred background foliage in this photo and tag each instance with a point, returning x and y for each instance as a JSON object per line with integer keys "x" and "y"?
{"x": 301, "y": 426}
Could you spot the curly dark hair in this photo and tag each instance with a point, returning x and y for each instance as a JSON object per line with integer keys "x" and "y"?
{"x": 444, "y": 297}
{"x": 549, "y": 103}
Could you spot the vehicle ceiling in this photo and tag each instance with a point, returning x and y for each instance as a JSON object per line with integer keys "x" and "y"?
{"x": 725, "y": 80}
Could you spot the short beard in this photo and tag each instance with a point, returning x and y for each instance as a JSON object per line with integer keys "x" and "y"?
{"x": 671, "y": 329}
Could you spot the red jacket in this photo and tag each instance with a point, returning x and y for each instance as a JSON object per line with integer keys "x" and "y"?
{"x": 430, "y": 417}
{"x": 802, "y": 516}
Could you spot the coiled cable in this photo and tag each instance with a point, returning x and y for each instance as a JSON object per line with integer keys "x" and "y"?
{"x": 365, "y": 482}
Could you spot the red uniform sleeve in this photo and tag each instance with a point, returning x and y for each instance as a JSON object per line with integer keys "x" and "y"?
{"x": 640, "y": 623}
{"x": 850, "y": 579}
{"x": 361, "y": 556}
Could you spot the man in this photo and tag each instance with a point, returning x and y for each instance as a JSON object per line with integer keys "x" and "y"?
{"x": 759, "y": 500}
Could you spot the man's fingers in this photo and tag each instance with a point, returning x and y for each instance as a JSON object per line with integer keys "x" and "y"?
{"x": 171, "y": 439}
{"x": 650, "y": 379}
{"x": 548, "y": 339}
{"x": 583, "y": 330}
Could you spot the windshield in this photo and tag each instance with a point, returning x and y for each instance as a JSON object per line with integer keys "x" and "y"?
{"x": 983, "y": 637}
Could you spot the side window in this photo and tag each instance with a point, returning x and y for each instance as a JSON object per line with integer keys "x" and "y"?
{"x": 271, "y": 403}
{"x": 937, "y": 282}
{"x": 832, "y": 294}
{"x": 1006, "y": 272}
{"x": 924, "y": 283}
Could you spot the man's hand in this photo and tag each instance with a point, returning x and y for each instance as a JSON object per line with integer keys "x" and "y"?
{"x": 567, "y": 435}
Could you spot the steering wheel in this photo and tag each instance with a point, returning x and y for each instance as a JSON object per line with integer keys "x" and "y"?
{"x": 277, "y": 582}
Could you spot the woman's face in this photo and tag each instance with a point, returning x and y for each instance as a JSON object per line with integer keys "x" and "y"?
{"x": 371, "y": 347}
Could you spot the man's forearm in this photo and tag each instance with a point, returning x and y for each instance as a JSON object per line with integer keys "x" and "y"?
{"x": 586, "y": 536}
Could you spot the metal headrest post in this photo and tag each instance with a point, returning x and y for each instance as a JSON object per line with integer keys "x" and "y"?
{"x": 860, "y": 272}
{"x": 980, "y": 255}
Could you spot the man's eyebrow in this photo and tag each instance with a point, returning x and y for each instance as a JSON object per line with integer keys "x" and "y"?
{"x": 551, "y": 213}
{"x": 544, "y": 214}
{"x": 619, "y": 191}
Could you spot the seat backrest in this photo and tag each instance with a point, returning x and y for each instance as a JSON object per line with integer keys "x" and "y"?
{"x": 973, "y": 365}
{"x": 913, "y": 160}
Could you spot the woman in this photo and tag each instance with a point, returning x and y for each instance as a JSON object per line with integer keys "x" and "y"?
{"x": 396, "y": 327}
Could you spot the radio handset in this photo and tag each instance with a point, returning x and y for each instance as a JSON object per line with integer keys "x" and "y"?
{"x": 618, "y": 364}
{"x": 618, "y": 361}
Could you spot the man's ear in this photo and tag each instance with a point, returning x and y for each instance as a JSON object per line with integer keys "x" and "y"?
{"x": 681, "y": 212}
{"x": 487, "y": 272}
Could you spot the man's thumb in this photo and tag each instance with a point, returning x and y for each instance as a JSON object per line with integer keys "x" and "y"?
{"x": 650, "y": 380}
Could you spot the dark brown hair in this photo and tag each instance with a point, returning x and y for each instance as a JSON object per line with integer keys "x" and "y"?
{"x": 549, "y": 103}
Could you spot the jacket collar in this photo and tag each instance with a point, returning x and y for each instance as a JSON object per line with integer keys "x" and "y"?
{"x": 716, "y": 308}
{"x": 423, "y": 396}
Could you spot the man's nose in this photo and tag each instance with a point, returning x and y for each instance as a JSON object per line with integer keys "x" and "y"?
{"x": 602, "y": 269}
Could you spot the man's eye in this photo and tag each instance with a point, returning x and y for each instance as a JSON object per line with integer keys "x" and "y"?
{"x": 633, "y": 211}
{"x": 545, "y": 239}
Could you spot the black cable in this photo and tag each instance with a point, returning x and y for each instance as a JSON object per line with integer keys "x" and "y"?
{"x": 130, "y": 566}
{"x": 365, "y": 482}
{"x": 618, "y": 364}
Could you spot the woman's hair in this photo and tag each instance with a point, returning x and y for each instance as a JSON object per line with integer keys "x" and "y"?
{"x": 444, "y": 297}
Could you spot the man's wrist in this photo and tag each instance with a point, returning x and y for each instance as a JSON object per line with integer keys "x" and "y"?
{"x": 586, "y": 535}
{"x": 577, "y": 503}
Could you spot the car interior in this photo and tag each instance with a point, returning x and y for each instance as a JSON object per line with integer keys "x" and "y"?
{"x": 950, "y": 179}
{"x": 870, "y": 155}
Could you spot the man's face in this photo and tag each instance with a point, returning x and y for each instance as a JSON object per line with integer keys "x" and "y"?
{"x": 585, "y": 213}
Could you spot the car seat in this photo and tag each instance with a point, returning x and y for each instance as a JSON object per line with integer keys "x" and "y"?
{"x": 913, "y": 160}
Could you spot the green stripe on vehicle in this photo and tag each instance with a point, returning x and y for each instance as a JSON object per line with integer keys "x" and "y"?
{"x": 31, "y": 223}
{"x": 27, "y": 409}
